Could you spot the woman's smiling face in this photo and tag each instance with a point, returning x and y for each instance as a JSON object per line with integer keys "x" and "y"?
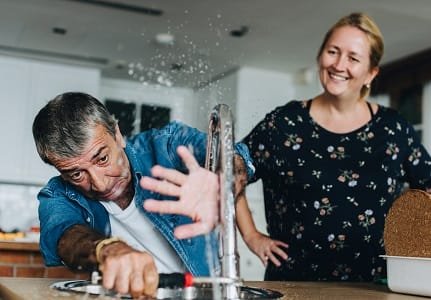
{"x": 344, "y": 64}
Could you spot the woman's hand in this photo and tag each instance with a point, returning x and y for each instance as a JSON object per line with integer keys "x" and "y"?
{"x": 266, "y": 248}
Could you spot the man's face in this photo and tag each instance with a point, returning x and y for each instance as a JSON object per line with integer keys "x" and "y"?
{"x": 102, "y": 171}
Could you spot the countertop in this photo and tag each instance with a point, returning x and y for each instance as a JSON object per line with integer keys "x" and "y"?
{"x": 19, "y": 245}
{"x": 38, "y": 288}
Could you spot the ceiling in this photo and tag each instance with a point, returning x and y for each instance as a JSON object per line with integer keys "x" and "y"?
{"x": 118, "y": 36}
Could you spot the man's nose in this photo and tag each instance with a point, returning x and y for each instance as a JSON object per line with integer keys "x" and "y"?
{"x": 98, "y": 183}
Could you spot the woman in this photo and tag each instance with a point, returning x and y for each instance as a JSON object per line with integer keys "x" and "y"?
{"x": 331, "y": 167}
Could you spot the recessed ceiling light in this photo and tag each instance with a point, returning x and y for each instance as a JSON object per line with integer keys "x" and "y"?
{"x": 165, "y": 39}
{"x": 59, "y": 30}
{"x": 239, "y": 32}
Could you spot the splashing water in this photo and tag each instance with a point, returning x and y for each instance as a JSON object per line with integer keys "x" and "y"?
{"x": 213, "y": 261}
{"x": 185, "y": 59}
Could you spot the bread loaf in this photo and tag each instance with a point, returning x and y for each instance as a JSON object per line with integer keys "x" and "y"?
{"x": 408, "y": 225}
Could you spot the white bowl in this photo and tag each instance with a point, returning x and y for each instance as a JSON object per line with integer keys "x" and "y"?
{"x": 409, "y": 275}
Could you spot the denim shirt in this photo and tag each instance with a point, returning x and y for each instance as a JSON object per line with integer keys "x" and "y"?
{"x": 61, "y": 205}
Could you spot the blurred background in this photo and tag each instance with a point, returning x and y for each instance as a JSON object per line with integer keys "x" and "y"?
{"x": 154, "y": 61}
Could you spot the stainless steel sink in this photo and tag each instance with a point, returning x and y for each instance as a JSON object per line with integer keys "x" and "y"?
{"x": 201, "y": 292}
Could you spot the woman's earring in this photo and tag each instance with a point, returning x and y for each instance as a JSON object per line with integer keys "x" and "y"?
{"x": 368, "y": 86}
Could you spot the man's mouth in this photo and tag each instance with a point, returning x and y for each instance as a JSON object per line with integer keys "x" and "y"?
{"x": 107, "y": 195}
{"x": 113, "y": 191}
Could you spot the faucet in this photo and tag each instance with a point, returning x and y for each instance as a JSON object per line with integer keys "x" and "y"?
{"x": 220, "y": 159}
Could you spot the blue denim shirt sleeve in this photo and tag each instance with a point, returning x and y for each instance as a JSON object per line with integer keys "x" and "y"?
{"x": 177, "y": 134}
{"x": 242, "y": 150}
{"x": 197, "y": 141}
{"x": 159, "y": 146}
{"x": 60, "y": 208}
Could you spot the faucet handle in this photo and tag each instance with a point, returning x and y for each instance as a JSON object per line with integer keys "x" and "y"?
{"x": 95, "y": 277}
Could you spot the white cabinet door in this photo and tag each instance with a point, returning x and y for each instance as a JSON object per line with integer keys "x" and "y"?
{"x": 14, "y": 87}
{"x": 48, "y": 81}
{"x": 26, "y": 86}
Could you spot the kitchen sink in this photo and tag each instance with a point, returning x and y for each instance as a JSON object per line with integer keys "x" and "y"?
{"x": 201, "y": 292}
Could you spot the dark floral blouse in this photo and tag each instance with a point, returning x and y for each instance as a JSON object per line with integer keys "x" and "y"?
{"x": 327, "y": 194}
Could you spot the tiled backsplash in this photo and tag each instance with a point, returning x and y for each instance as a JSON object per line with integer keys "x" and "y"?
{"x": 18, "y": 207}
{"x": 26, "y": 261}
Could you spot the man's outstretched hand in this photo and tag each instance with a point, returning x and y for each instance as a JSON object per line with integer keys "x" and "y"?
{"x": 197, "y": 192}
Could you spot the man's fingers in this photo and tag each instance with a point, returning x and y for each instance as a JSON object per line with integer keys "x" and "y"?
{"x": 151, "y": 280}
{"x": 109, "y": 268}
{"x": 191, "y": 230}
{"x": 170, "y": 175}
{"x": 188, "y": 158}
{"x": 108, "y": 278}
{"x": 165, "y": 207}
{"x": 116, "y": 275}
{"x": 136, "y": 284}
{"x": 160, "y": 186}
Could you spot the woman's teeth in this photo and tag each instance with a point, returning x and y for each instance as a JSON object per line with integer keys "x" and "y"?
{"x": 338, "y": 77}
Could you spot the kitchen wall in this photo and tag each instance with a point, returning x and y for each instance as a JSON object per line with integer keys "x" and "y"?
{"x": 18, "y": 207}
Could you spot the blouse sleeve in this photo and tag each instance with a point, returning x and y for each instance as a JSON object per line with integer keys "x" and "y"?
{"x": 417, "y": 163}
{"x": 260, "y": 142}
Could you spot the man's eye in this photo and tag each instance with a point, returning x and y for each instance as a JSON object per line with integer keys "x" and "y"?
{"x": 76, "y": 175}
{"x": 103, "y": 159}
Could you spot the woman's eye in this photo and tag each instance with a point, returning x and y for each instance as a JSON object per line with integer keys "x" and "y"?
{"x": 354, "y": 59}
{"x": 332, "y": 52}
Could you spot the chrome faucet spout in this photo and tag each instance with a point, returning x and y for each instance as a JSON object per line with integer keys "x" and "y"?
{"x": 220, "y": 159}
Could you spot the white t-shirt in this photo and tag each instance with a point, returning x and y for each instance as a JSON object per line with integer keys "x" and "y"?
{"x": 132, "y": 226}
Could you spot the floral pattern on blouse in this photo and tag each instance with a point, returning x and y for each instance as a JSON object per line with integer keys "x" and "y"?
{"x": 327, "y": 194}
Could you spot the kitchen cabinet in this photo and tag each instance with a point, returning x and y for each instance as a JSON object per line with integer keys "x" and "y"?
{"x": 15, "y": 87}
{"x": 26, "y": 86}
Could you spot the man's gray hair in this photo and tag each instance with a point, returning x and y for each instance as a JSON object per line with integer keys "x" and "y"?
{"x": 63, "y": 127}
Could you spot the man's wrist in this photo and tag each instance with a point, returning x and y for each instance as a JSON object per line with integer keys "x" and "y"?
{"x": 103, "y": 243}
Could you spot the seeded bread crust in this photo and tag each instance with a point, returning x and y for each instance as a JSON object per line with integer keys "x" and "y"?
{"x": 408, "y": 225}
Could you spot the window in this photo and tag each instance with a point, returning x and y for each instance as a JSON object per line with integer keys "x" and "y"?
{"x": 125, "y": 113}
{"x": 154, "y": 116}
{"x": 404, "y": 80}
{"x": 408, "y": 102}
{"x": 151, "y": 116}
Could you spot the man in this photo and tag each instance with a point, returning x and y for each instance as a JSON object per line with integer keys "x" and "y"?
{"x": 97, "y": 197}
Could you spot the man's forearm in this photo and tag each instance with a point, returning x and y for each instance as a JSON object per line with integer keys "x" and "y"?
{"x": 77, "y": 247}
